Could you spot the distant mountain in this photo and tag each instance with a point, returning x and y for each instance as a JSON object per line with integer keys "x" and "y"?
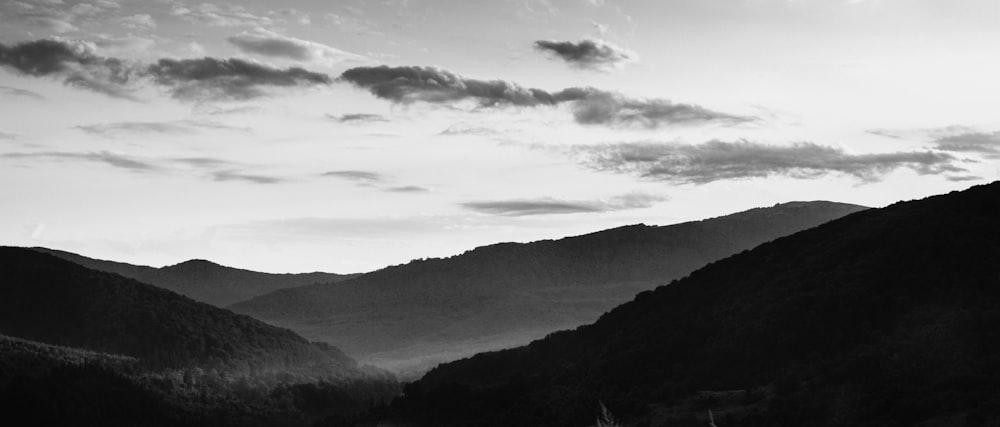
{"x": 411, "y": 317}
{"x": 885, "y": 317}
{"x": 202, "y": 280}
{"x": 48, "y": 299}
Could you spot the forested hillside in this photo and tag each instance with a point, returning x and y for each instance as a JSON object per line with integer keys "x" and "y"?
{"x": 413, "y": 316}
{"x": 51, "y": 300}
{"x": 884, "y": 317}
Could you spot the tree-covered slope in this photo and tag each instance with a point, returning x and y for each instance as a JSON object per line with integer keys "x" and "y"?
{"x": 415, "y": 315}
{"x": 51, "y": 300}
{"x": 884, "y": 317}
{"x": 202, "y": 280}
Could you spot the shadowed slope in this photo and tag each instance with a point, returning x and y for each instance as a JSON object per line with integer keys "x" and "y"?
{"x": 51, "y": 300}
{"x": 884, "y": 317}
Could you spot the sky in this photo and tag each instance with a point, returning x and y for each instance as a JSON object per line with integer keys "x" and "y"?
{"x": 346, "y": 136}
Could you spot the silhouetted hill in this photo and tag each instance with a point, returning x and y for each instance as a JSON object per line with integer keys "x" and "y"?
{"x": 885, "y": 317}
{"x": 51, "y": 300}
{"x": 47, "y": 385}
{"x": 203, "y": 280}
{"x": 413, "y": 316}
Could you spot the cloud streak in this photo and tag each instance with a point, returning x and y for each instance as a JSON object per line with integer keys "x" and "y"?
{"x": 548, "y": 206}
{"x": 230, "y": 175}
{"x": 407, "y": 85}
{"x": 105, "y": 157}
{"x": 199, "y": 79}
{"x": 358, "y": 117}
{"x": 588, "y": 54}
{"x": 274, "y": 45}
{"x": 227, "y": 79}
{"x": 356, "y": 175}
{"x": 177, "y": 127}
{"x": 20, "y": 93}
{"x": 719, "y": 160}
{"x": 985, "y": 143}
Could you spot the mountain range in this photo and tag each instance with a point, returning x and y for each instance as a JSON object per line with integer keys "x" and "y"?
{"x": 883, "y": 317}
{"x": 203, "y": 280}
{"x": 408, "y": 318}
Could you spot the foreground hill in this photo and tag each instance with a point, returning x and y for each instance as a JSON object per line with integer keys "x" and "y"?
{"x": 51, "y": 300}
{"x": 202, "y": 280}
{"x": 884, "y": 317}
{"x": 413, "y": 316}
{"x": 47, "y": 385}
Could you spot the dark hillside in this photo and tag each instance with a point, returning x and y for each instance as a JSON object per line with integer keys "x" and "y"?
{"x": 884, "y": 317}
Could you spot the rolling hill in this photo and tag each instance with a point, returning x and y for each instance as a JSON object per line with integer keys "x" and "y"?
{"x": 410, "y": 317}
{"x": 883, "y": 317}
{"x": 51, "y": 300}
{"x": 202, "y": 280}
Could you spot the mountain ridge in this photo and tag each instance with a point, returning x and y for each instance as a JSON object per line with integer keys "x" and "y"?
{"x": 203, "y": 280}
{"x": 509, "y": 293}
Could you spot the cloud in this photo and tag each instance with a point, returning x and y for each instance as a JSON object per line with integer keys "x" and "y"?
{"x": 219, "y": 16}
{"x": 8, "y": 136}
{"x": 408, "y": 189}
{"x": 588, "y": 54}
{"x": 200, "y": 79}
{"x": 73, "y": 62}
{"x": 598, "y": 107}
{"x": 22, "y": 93}
{"x": 138, "y": 22}
{"x": 238, "y": 176}
{"x": 209, "y": 78}
{"x": 356, "y": 175}
{"x": 358, "y": 117}
{"x": 719, "y": 160}
{"x": 984, "y": 143}
{"x": 54, "y": 17}
{"x": 106, "y": 157}
{"x": 547, "y": 206}
{"x": 202, "y": 162}
{"x": 410, "y": 84}
{"x": 177, "y": 127}
{"x": 268, "y": 43}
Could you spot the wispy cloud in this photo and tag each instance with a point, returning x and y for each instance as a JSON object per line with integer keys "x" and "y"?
{"x": 219, "y": 15}
{"x": 358, "y": 117}
{"x": 408, "y": 189}
{"x": 202, "y": 162}
{"x": 405, "y": 85}
{"x": 356, "y": 176}
{"x": 985, "y": 143}
{"x": 105, "y": 157}
{"x": 588, "y": 54}
{"x": 230, "y": 175}
{"x": 176, "y": 127}
{"x": 719, "y": 160}
{"x": 547, "y": 206}
{"x": 8, "y": 91}
{"x": 274, "y": 45}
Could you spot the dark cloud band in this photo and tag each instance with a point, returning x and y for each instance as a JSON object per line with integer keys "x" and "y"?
{"x": 188, "y": 79}
{"x": 407, "y": 85}
{"x": 720, "y": 160}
